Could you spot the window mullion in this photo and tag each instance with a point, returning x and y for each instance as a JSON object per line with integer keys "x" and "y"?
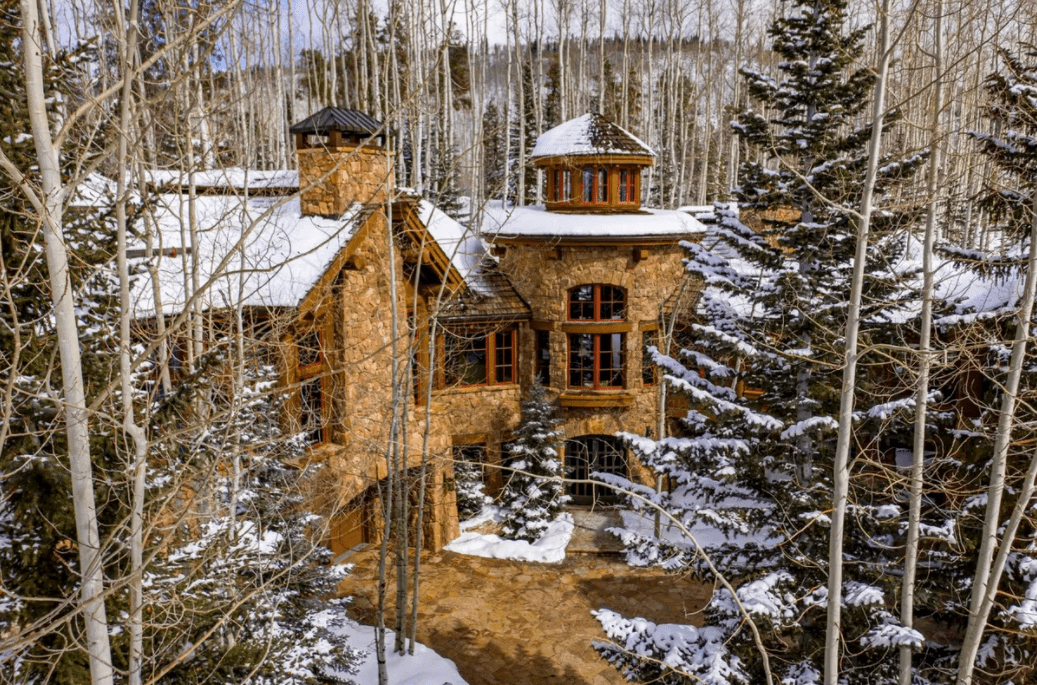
{"x": 597, "y": 362}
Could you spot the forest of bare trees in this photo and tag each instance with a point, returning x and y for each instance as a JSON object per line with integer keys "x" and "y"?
{"x": 468, "y": 86}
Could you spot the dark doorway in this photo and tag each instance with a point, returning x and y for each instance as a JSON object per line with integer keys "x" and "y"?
{"x": 589, "y": 454}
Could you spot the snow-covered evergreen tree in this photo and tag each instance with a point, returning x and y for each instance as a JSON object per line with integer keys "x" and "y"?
{"x": 530, "y": 501}
{"x": 468, "y": 482}
{"x": 255, "y": 579}
{"x": 761, "y": 371}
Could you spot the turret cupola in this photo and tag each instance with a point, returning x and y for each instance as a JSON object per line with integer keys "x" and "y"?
{"x": 592, "y": 166}
{"x": 346, "y": 149}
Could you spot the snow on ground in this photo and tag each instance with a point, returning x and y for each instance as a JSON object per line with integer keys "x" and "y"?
{"x": 549, "y": 549}
{"x": 424, "y": 667}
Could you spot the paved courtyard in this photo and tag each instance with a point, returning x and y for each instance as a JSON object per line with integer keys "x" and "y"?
{"x": 524, "y": 623}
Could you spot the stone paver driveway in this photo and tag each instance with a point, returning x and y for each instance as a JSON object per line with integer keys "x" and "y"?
{"x": 515, "y": 623}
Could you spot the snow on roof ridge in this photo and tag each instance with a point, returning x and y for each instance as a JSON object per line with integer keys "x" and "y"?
{"x": 589, "y": 134}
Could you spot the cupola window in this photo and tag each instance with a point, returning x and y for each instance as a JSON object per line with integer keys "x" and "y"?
{"x": 595, "y": 186}
{"x": 628, "y": 185}
{"x": 562, "y": 190}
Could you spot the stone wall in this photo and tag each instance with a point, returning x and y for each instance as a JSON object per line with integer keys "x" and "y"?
{"x": 355, "y": 313}
{"x": 543, "y": 274}
{"x": 353, "y": 175}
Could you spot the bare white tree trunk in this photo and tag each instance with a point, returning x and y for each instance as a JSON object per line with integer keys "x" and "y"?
{"x": 907, "y": 595}
{"x": 134, "y": 431}
{"x": 984, "y": 584}
{"x": 91, "y": 600}
{"x": 841, "y": 470}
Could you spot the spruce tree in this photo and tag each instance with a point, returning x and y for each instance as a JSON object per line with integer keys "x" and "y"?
{"x": 468, "y": 481}
{"x": 530, "y": 501}
{"x": 761, "y": 370}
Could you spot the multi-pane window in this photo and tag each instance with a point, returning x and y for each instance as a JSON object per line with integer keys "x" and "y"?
{"x": 543, "y": 357}
{"x": 504, "y": 357}
{"x": 597, "y": 303}
{"x": 562, "y": 185}
{"x": 596, "y": 360}
{"x": 595, "y": 186}
{"x": 627, "y": 185}
{"x": 479, "y": 358}
{"x": 651, "y": 339}
{"x": 311, "y": 386}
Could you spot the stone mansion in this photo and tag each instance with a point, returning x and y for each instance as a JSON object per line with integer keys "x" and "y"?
{"x": 569, "y": 292}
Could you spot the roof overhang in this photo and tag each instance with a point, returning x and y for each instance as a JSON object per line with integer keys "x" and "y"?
{"x": 579, "y": 161}
{"x": 593, "y": 240}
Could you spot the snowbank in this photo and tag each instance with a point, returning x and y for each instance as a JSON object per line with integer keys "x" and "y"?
{"x": 424, "y": 667}
{"x": 550, "y": 549}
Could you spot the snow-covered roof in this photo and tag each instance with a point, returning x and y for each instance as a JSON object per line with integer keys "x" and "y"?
{"x": 535, "y": 221}
{"x": 590, "y": 134}
{"x": 461, "y": 245}
{"x": 285, "y": 253}
{"x": 229, "y": 178}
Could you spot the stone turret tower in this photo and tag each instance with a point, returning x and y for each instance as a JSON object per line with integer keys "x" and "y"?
{"x": 593, "y": 166}
{"x": 346, "y": 149}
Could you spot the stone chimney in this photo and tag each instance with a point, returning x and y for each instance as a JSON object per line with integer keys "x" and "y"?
{"x": 337, "y": 145}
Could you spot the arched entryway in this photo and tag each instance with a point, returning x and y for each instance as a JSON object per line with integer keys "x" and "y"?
{"x": 588, "y": 454}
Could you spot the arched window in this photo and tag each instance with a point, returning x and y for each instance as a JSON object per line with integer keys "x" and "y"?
{"x": 589, "y": 454}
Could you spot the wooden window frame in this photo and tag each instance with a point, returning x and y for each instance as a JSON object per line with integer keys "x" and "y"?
{"x": 596, "y": 299}
{"x": 597, "y": 365}
{"x": 592, "y": 194}
{"x": 627, "y": 186}
{"x": 560, "y": 189}
{"x": 490, "y": 338}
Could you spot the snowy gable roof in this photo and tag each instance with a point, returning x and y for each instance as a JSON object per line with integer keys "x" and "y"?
{"x": 536, "y": 222}
{"x": 285, "y": 253}
{"x": 461, "y": 245}
{"x": 590, "y": 134}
